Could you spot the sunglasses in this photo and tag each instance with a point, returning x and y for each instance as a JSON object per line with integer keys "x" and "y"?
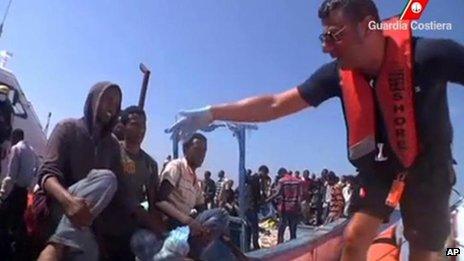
{"x": 332, "y": 37}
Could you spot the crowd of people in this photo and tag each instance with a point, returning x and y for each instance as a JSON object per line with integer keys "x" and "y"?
{"x": 290, "y": 198}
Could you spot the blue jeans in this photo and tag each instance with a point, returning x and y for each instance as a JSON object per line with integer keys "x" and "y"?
{"x": 97, "y": 189}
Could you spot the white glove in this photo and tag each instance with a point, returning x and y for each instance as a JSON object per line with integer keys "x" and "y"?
{"x": 191, "y": 121}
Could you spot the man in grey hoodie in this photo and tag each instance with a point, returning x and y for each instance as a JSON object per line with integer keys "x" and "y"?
{"x": 78, "y": 176}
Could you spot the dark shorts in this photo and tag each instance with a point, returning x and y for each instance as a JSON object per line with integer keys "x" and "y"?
{"x": 424, "y": 204}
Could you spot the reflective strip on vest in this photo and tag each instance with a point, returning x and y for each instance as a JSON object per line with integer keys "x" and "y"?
{"x": 363, "y": 147}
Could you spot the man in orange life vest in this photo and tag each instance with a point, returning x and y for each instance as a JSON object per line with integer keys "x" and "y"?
{"x": 393, "y": 90}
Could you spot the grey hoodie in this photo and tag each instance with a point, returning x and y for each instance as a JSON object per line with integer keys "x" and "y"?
{"x": 74, "y": 148}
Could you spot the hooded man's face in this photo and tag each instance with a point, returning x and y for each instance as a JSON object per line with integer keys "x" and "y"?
{"x": 108, "y": 106}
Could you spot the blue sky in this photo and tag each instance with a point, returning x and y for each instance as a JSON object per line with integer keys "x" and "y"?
{"x": 200, "y": 52}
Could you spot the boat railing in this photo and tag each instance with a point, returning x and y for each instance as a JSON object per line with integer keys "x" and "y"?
{"x": 324, "y": 241}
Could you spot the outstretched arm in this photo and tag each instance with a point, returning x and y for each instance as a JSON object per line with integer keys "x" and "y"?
{"x": 322, "y": 85}
{"x": 261, "y": 108}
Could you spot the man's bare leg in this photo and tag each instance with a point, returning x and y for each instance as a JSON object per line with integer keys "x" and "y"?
{"x": 417, "y": 254}
{"x": 52, "y": 252}
{"x": 358, "y": 236}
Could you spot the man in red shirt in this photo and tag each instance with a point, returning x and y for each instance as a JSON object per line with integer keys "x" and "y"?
{"x": 290, "y": 189}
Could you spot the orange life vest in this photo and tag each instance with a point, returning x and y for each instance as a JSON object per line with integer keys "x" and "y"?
{"x": 395, "y": 98}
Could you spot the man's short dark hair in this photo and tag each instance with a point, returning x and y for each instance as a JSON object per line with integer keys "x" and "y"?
{"x": 356, "y": 10}
{"x": 186, "y": 145}
{"x": 208, "y": 173}
{"x": 324, "y": 172}
{"x": 332, "y": 176}
{"x": 263, "y": 168}
{"x": 124, "y": 118}
{"x": 282, "y": 171}
{"x": 17, "y": 135}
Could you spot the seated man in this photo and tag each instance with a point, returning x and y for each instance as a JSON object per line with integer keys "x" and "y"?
{"x": 180, "y": 193}
{"x": 78, "y": 176}
{"x": 140, "y": 178}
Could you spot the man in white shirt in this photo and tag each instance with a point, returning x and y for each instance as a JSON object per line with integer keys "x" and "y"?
{"x": 22, "y": 166}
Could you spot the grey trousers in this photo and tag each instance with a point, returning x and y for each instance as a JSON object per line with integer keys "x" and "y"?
{"x": 97, "y": 189}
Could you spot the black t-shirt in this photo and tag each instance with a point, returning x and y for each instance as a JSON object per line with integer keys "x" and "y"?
{"x": 436, "y": 62}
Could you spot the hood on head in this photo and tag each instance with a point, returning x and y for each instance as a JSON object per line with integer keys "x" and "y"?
{"x": 92, "y": 103}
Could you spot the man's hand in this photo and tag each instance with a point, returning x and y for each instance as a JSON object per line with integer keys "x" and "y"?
{"x": 78, "y": 212}
{"x": 201, "y": 234}
{"x": 190, "y": 122}
{"x": 151, "y": 220}
{"x": 157, "y": 225}
{"x": 197, "y": 229}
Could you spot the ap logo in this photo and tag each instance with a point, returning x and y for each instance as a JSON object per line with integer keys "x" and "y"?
{"x": 452, "y": 251}
{"x": 416, "y": 7}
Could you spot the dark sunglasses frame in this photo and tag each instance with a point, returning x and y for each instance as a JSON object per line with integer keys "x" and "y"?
{"x": 332, "y": 37}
